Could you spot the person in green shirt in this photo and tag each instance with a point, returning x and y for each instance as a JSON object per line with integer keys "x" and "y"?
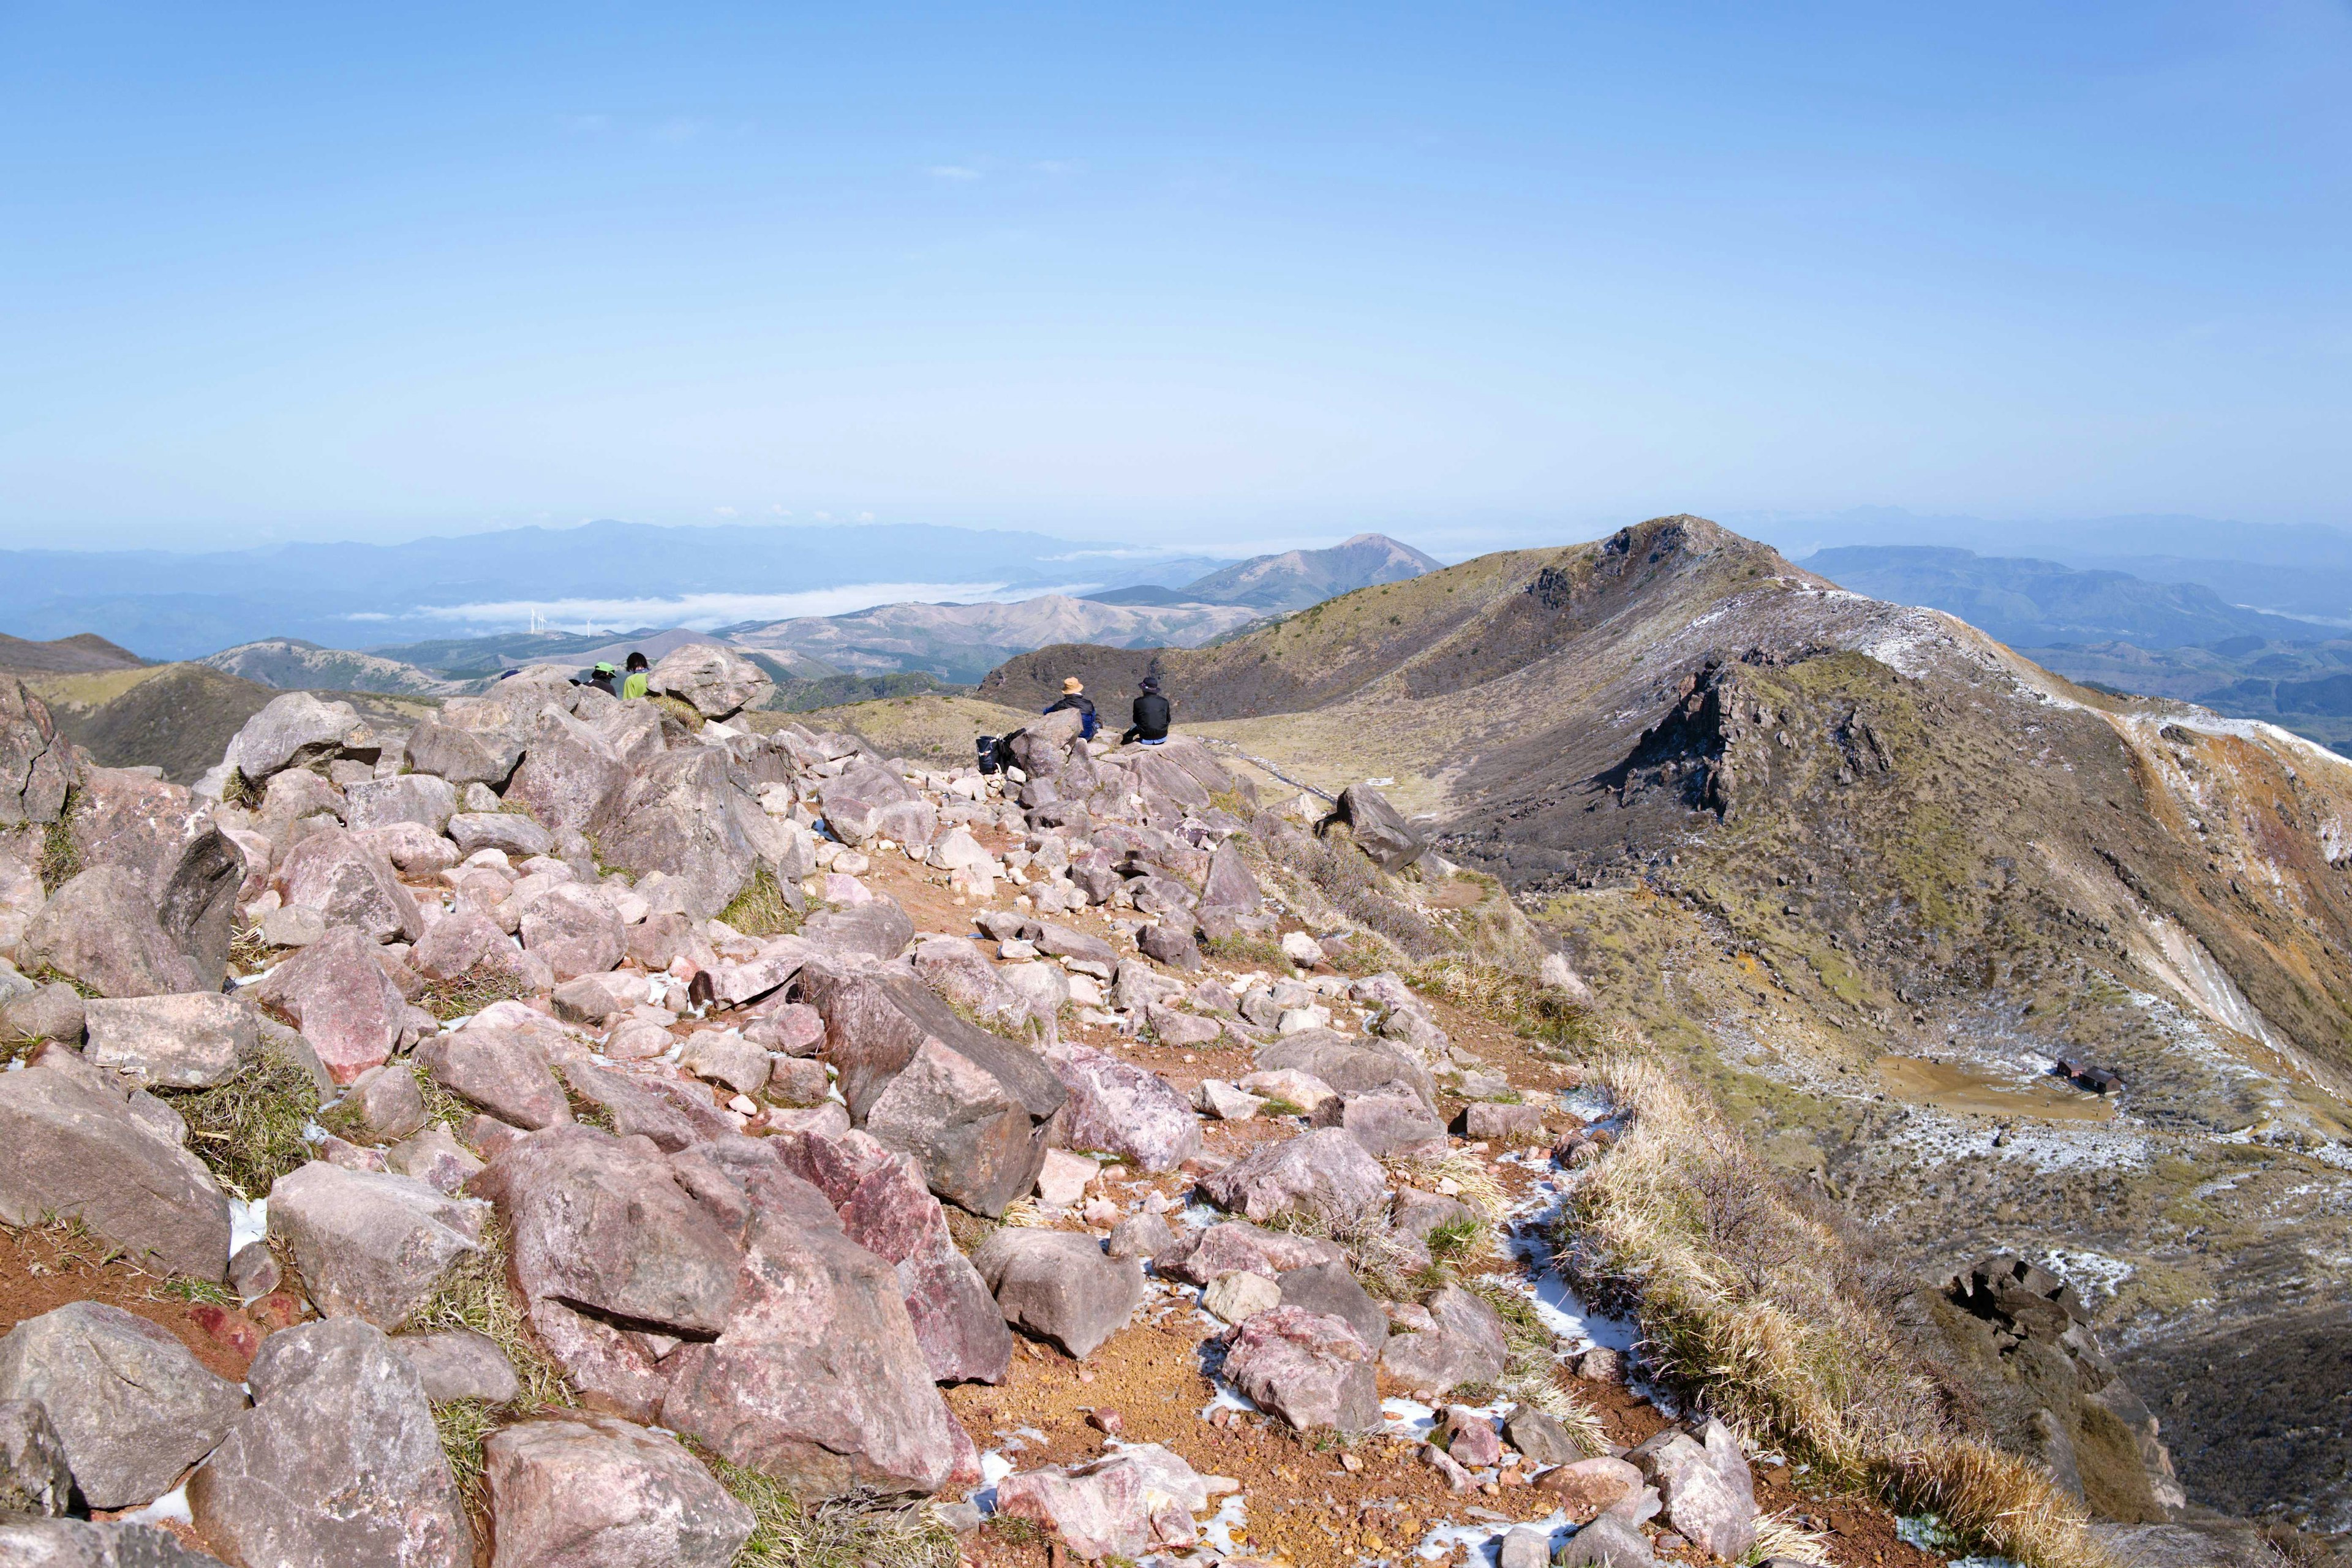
{"x": 638, "y": 680}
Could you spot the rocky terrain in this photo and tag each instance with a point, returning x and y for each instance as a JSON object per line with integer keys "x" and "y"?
{"x": 550, "y": 1129}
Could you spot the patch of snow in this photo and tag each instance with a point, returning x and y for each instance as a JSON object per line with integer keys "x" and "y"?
{"x": 1485, "y": 1540}
{"x": 248, "y": 1222}
{"x": 171, "y": 1508}
{"x": 2088, "y": 1271}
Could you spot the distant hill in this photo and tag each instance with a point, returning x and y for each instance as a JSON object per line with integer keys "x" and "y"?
{"x": 80, "y": 654}
{"x": 2030, "y": 603}
{"x": 962, "y": 642}
{"x": 289, "y": 663}
{"x": 1297, "y": 578}
{"x": 468, "y": 659}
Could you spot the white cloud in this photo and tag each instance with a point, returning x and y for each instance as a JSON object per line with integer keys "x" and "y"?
{"x": 866, "y": 517}
{"x": 723, "y": 510}
{"x": 698, "y": 611}
{"x": 778, "y": 510}
{"x": 954, "y": 171}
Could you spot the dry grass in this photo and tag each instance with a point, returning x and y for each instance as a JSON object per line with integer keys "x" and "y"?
{"x": 1382, "y": 1259}
{"x": 239, "y": 791}
{"x": 1761, "y": 1308}
{"x": 1780, "y": 1535}
{"x": 858, "y": 1531}
{"x": 760, "y": 910}
{"x": 1506, "y": 997}
{"x": 249, "y": 1130}
{"x": 60, "y": 856}
{"x": 471, "y": 991}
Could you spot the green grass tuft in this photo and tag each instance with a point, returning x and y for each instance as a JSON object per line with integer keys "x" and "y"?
{"x": 760, "y": 910}
{"x": 240, "y": 791}
{"x": 249, "y": 1130}
{"x": 471, "y": 991}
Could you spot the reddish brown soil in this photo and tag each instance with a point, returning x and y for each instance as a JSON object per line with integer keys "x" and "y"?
{"x": 43, "y": 1268}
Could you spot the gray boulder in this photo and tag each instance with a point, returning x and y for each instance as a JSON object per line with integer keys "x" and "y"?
{"x": 34, "y": 1476}
{"x": 51, "y": 1012}
{"x": 1230, "y": 895}
{"x": 601, "y": 1224}
{"x": 1350, "y": 1066}
{"x": 164, "y": 834}
{"x": 973, "y": 1107}
{"x": 101, "y": 929}
{"x": 1308, "y": 1368}
{"x": 1329, "y": 1288}
{"x": 132, "y": 1407}
{"x": 1172, "y": 942}
{"x": 299, "y": 730}
{"x": 1462, "y": 1341}
{"x": 195, "y": 1040}
{"x": 1703, "y": 1485}
{"x": 77, "y": 1149}
{"x": 1323, "y": 1173}
{"x": 1393, "y": 1120}
{"x": 817, "y": 1378}
{"x": 1543, "y": 1438}
{"x": 1124, "y": 1110}
{"x": 592, "y": 1491}
{"x": 509, "y": 832}
{"x": 83, "y": 1544}
{"x": 1060, "y": 1285}
{"x": 383, "y": 1105}
{"x": 370, "y": 1244}
{"x": 349, "y": 1010}
{"x": 337, "y": 1463}
{"x": 718, "y": 681}
{"x": 878, "y": 928}
{"x": 351, "y": 883}
{"x": 37, "y": 765}
{"x": 686, "y": 813}
{"x": 1609, "y": 1542}
{"x": 462, "y": 755}
{"x": 1379, "y": 828}
{"x": 458, "y": 1364}
{"x": 575, "y": 931}
{"x": 420, "y": 798}
{"x": 569, "y": 772}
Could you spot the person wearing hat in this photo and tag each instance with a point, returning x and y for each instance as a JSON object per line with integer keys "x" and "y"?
{"x": 639, "y": 682}
{"x": 600, "y": 679}
{"x": 1151, "y": 715}
{"x": 1074, "y": 697}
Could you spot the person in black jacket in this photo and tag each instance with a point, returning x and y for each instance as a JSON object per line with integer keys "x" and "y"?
{"x": 1151, "y": 715}
{"x": 1073, "y": 696}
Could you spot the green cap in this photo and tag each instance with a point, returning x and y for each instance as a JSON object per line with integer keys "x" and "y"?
{"x": 603, "y": 669}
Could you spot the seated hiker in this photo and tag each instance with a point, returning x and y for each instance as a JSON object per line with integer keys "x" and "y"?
{"x": 1151, "y": 715}
{"x": 601, "y": 678}
{"x": 639, "y": 682}
{"x": 1073, "y": 696}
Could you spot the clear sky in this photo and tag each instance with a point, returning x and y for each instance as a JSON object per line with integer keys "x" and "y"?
{"x": 1224, "y": 276}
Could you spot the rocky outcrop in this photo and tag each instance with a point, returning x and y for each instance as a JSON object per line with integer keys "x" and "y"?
{"x": 595, "y": 1490}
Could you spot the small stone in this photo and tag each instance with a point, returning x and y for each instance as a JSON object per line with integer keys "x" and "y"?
{"x": 1062, "y": 1181}
{"x": 1237, "y": 1295}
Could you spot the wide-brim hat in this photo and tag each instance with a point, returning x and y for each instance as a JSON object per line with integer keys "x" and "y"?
{"x": 1072, "y": 686}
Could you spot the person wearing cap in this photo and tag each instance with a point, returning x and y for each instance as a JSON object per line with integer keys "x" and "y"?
{"x": 601, "y": 678}
{"x": 639, "y": 682}
{"x": 1151, "y": 715}
{"x": 1074, "y": 697}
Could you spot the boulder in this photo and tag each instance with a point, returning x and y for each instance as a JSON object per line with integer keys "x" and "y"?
{"x": 413, "y": 849}
{"x": 1199, "y": 1256}
{"x": 465, "y": 940}
{"x": 458, "y": 1364}
{"x": 1060, "y": 1285}
{"x": 1393, "y": 1120}
{"x": 817, "y": 1378}
{"x": 1463, "y": 1343}
{"x": 508, "y": 832}
{"x": 370, "y": 1243}
{"x": 569, "y": 772}
{"x": 436, "y": 1158}
{"x": 1124, "y": 1110}
{"x": 1587, "y": 1488}
{"x": 878, "y": 928}
{"x": 1324, "y": 1173}
{"x": 78, "y": 1150}
{"x": 1215, "y": 1097}
{"x": 724, "y": 1056}
{"x": 891, "y": 1214}
{"x": 349, "y": 1010}
{"x": 462, "y": 755}
{"x": 1706, "y": 1493}
{"x": 1308, "y": 1368}
{"x": 51, "y": 1012}
{"x": 1097, "y": 1516}
{"x": 350, "y": 883}
{"x": 615, "y": 1370}
{"x": 419, "y": 798}
{"x": 592, "y": 1491}
{"x": 37, "y": 765}
{"x": 688, "y": 814}
{"x": 337, "y": 1463}
{"x": 718, "y": 681}
{"x": 34, "y": 1477}
{"x": 195, "y": 1040}
{"x": 1608, "y": 1542}
{"x": 1172, "y": 942}
{"x": 85, "y": 1543}
{"x": 1331, "y": 1288}
{"x": 1237, "y": 1295}
{"x": 954, "y": 968}
{"x": 101, "y": 929}
{"x": 1471, "y": 1438}
{"x": 973, "y": 1109}
{"x": 130, "y": 1406}
{"x": 299, "y": 730}
{"x": 639, "y": 1109}
{"x": 1229, "y": 894}
{"x": 505, "y": 1072}
{"x": 575, "y": 930}
{"x": 1525, "y": 1546}
{"x": 165, "y": 834}
{"x": 601, "y": 1224}
{"x": 1544, "y": 1438}
{"x": 1350, "y": 1066}
{"x": 1144, "y": 1236}
{"x": 1378, "y": 828}
{"x": 1502, "y": 1123}
{"x": 383, "y": 1105}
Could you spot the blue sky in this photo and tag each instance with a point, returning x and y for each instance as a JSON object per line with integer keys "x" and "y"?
{"x": 1214, "y": 277}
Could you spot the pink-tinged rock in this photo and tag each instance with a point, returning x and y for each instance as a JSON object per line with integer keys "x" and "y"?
{"x": 37, "y": 765}
{"x": 350, "y": 883}
{"x": 842, "y": 888}
{"x": 1060, "y": 1285}
{"x": 1501, "y": 1121}
{"x": 464, "y": 940}
{"x": 101, "y": 929}
{"x": 637, "y": 1112}
{"x": 434, "y": 1158}
{"x": 601, "y": 1223}
{"x": 1464, "y": 1344}
{"x": 569, "y": 772}
{"x": 1704, "y": 1488}
{"x": 1587, "y": 1488}
{"x": 337, "y": 1462}
{"x": 892, "y": 1215}
{"x": 613, "y": 1370}
{"x": 575, "y": 931}
{"x": 691, "y": 816}
{"x": 952, "y": 966}
{"x": 794, "y": 1029}
{"x": 1175, "y": 1028}
{"x": 817, "y": 1378}
{"x": 371, "y": 1245}
{"x": 597, "y": 1493}
{"x": 1392, "y": 1122}
{"x": 1199, "y": 1256}
{"x": 500, "y": 1070}
{"x": 339, "y": 997}
{"x": 1309, "y": 1368}
{"x": 1324, "y": 1173}
{"x": 1125, "y": 1109}
{"x": 1063, "y": 1179}
{"x": 413, "y": 800}
{"x": 1471, "y": 1438}
{"x": 1097, "y": 1516}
